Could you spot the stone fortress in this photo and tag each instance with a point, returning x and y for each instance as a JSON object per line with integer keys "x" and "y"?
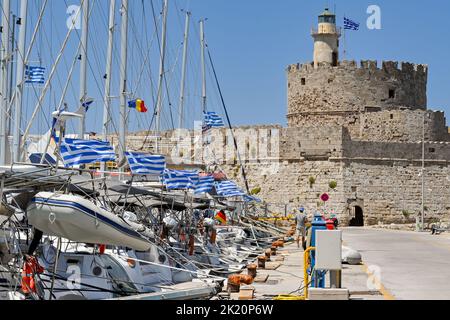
{"x": 355, "y": 131}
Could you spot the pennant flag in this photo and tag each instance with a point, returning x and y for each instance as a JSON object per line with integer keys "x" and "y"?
{"x": 138, "y": 104}
{"x": 146, "y": 164}
{"x": 228, "y": 189}
{"x": 34, "y": 74}
{"x": 213, "y": 120}
{"x": 204, "y": 184}
{"x": 221, "y": 217}
{"x": 180, "y": 179}
{"x": 350, "y": 24}
{"x": 77, "y": 152}
{"x": 86, "y": 104}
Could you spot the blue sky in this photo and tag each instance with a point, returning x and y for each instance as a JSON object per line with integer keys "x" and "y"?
{"x": 251, "y": 41}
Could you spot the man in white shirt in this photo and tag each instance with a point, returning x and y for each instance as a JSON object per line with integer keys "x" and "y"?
{"x": 301, "y": 220}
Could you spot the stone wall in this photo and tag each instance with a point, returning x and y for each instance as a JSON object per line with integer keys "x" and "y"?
{"x": 391, "y": 191}
{"x": 288, "y": 183}
{"x": 338, "y": 95}
{"x": 403, "y": 126}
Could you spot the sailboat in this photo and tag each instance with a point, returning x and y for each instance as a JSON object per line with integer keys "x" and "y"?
{"x": 86, "y": 237}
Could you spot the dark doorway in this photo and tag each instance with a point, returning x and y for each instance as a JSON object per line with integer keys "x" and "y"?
{"x": 335, "y": 59}
{"x": 358, "y": 220}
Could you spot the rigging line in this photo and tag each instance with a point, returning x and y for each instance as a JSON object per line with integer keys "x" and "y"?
{"x": 146, "y": 61}
{"x": 58, "y": 75}
{"x": 244, "y": 175}
{"x": 9, "y": 115}
{"x": 159, "y": 46}
{"x": 104, "y": 25}
{"x": 167, "y": 83}
{"x": 46, "y": 86}
{"x": 145, "y": 18}
{"x": 96, "y": 82}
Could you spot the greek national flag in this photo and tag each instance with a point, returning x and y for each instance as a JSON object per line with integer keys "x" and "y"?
{"x": 180, "y": 179}
{"x": 213, "y": 120}
{"x": 204, "y": 184}
{"x": 248, "y": 198}
{"x": 34, "y": 74}
{"x": 350, "y": 24}
{"x": 77, "y": 152}
{"x": 228, "y": 189}
{"x": 146, "y": 164}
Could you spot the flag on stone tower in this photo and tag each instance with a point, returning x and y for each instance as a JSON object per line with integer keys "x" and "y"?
{"x": 350, "y": 24}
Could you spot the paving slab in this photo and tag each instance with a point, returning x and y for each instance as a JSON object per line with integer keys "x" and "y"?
{"x": 405, "y": 265}
{"x": 288, "y": 278}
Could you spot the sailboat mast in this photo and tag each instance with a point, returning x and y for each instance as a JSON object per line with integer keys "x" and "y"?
{"x": 203, "y": 45}
{"x": 19, "y": 80}
{"x": 83, "y": 64}
{"x": 161, "y": 73}
{"x": 108, "y": 74}
{"x": 123, "y": 80}
{"x": 5, "y": 56}
{"x": 11, "y": 74}
{"x": 184, "y": 67}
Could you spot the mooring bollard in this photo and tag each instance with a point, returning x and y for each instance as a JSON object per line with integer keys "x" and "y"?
{"x": 234, "y": 283}
{"x": 251, "y": 270}
{"x": 262, "y": 262}
{"x": 268, "y": 253}
{"x": 273, "y": 251}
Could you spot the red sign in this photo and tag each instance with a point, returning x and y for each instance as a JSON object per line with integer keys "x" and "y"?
{"x": 325, "y": 197}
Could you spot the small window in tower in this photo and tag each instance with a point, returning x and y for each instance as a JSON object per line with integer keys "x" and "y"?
{"x": 392, "y": 116}
{"x": 303, "y": 81}
{"x": 432, "y": 150}
{"x": 391, "y": 93}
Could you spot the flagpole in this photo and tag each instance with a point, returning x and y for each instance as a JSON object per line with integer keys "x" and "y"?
{"x": 83, "y": 65}
{"x": 5, "y": 56}
{"x": 345, "y": 41}
{"x": 161, "y": 73}
{"x": 203, "y": 44}
{"x": 203, "y": 66}
{"x": 123, "y": 82}
{"x": 108, "y": 74}
{"x": 183, "y": 76}
{"x": 20, "y": 80}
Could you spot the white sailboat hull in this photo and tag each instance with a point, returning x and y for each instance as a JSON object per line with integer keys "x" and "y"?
{"x": 80, "y": 220}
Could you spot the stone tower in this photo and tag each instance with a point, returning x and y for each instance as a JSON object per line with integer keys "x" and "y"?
{"x": 326, "y": 40}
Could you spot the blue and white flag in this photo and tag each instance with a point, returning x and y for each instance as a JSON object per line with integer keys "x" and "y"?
{"x": 146, "y": 164}
{"x": 180, "y": 179}
{"x": 350, "y": 24}
{"x": 228, "y": 189}
{"x": 213, "y": 120}
{"x": 204, "y": 184}
{"x": 248, "y": 198}
{"x": 34, "y": 75}
{"x": 86, "y": 104}
{"x": 77, "y": 152}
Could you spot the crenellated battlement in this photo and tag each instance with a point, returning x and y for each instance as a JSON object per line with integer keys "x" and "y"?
{"x": 388, "y": 67}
